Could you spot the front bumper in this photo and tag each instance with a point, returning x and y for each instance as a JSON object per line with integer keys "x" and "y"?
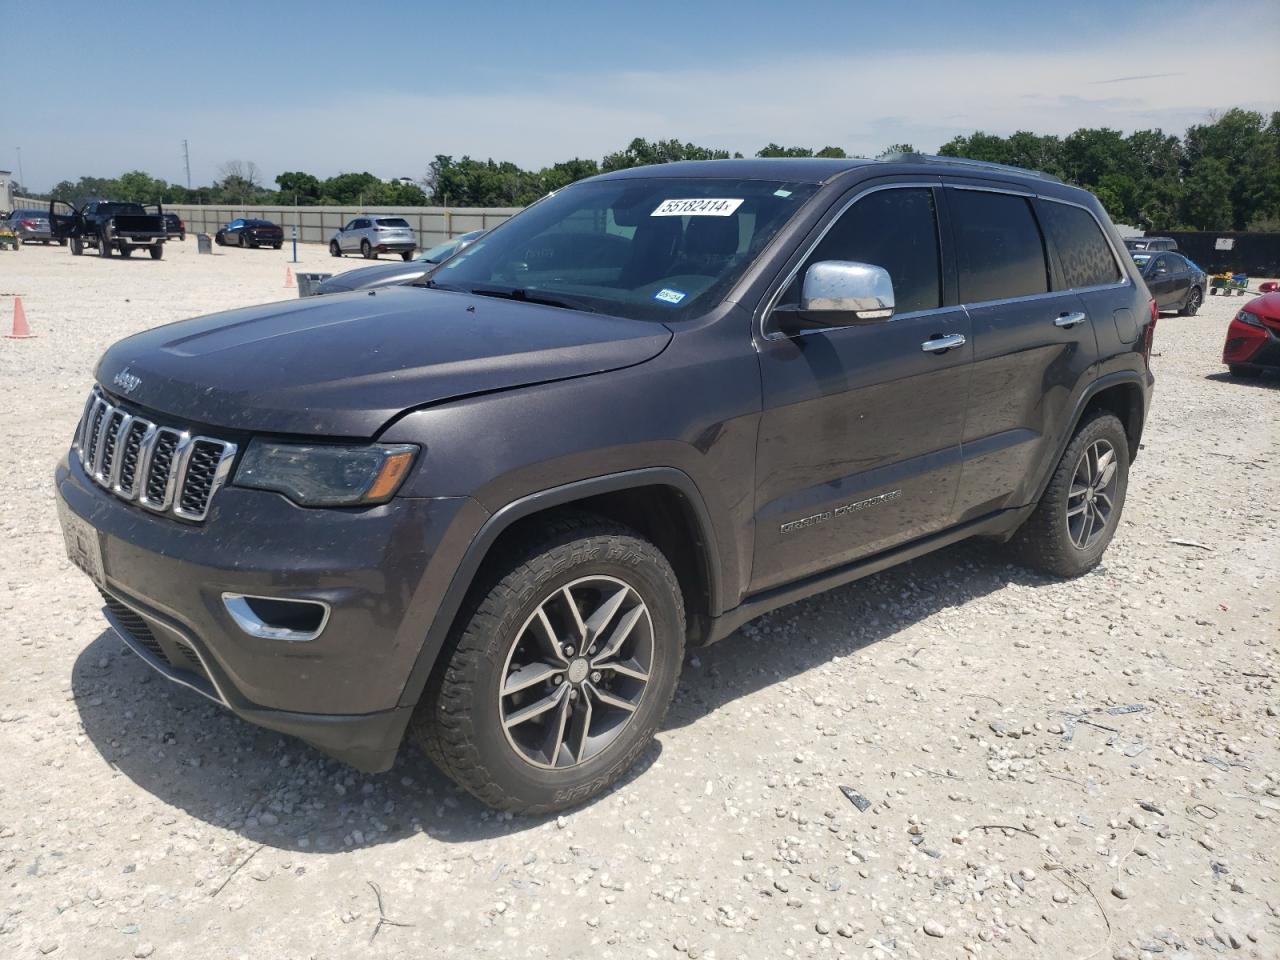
{"x": 380, "y": 569}
{"x": 1252, "y": 345}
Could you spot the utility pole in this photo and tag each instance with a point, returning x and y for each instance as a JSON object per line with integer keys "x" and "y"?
{"x": 186, "y": 159}
{"x": 22, "y": 179}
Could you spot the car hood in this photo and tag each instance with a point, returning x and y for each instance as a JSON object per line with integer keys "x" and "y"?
{"x": 379, "y": 276}
{"x": 344, "y": 365}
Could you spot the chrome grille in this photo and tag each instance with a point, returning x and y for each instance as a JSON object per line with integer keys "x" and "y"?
{"x": 162, "y": 468}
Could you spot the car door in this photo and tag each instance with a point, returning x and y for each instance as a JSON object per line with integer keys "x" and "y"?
{"x": 1161, "y": 282}
{"x": 352, "y": 236}
{"x": 1032, "y": 344}
{"x": 859, "y": 439}
{"x": 1180, "y": 279}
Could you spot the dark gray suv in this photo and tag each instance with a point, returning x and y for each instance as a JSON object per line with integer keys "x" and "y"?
{"x": 493, "y": 509}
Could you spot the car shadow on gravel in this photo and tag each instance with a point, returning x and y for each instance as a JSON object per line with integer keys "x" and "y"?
{"x": 273, "y": 789}
{"x": 791, "y": 640}
{"x": 278, "y": 791}
{"x": 1267, "y": 381}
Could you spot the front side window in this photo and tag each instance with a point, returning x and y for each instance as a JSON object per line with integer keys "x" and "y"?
{"x": 999, "y": 250}
{"x": 1085, "y": 255}
{"x": 656, "y": 248}
{"x": 896, "y": 229}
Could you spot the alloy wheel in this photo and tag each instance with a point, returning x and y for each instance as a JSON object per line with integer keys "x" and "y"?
{"x": 577, "y": 672}
{"x": 1091, "y": 498}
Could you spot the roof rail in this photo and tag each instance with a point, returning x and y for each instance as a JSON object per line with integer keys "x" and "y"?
{"x": 976, "y": 164}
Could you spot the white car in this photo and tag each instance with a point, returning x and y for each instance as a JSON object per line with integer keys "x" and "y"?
{"x": 371, "y": 235}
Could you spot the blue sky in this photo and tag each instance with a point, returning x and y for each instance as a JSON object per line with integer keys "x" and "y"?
{"x": 328, "y": 87}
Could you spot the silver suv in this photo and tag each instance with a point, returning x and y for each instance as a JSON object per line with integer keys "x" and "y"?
{"x": 372, "y": 235}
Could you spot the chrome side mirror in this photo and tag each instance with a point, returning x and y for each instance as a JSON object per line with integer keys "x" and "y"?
{"x": 837, "y": 292}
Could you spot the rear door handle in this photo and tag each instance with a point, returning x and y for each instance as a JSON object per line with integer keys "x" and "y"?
{"x": 1069, "y": 319}
{"x": 943, "y": 343}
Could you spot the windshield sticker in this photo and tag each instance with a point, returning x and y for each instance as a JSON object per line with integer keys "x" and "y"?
{"x": 697, "y": 207}
{"x": 782, "y": 193}
{"x": 667, "y": 295}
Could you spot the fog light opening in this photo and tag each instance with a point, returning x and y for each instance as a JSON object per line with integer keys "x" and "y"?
{"x": 274, "y": 618}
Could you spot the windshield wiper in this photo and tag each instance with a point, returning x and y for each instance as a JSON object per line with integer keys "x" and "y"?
{"x": 525, "y": 296}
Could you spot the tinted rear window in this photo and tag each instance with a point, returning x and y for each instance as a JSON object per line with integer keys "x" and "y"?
{"x": 1000, "y": 252}
{"x": 1085, "y": 255}
{"x": 393, "y": 222}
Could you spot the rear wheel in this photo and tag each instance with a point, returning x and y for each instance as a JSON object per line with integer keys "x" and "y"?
{"x": 406, "y": 255}
{"x": 276, "y": 246}
{"x": 126, "y": 251}
{"x": 334, "y": 249}
{"x": 62, "y": 241}
{"x": 1192, "y": 305}
{"x": 1078, "y": 514}
{"x": 1245, "y": 371}
{"x": 366, "y": 250}
{"x": 157, "y": 251}
{"x": 559, "y": 670}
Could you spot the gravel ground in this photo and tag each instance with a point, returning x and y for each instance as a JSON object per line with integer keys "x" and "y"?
{"x": 1042, "y": 769}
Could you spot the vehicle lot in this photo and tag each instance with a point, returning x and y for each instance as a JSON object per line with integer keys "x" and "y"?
{"x": 1057, "y": 769}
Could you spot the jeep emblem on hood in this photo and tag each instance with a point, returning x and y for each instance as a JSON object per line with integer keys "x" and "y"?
{"x": 126, "y": 381}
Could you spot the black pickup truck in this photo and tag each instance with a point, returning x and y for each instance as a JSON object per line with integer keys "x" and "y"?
{"x": 109, "y": 225}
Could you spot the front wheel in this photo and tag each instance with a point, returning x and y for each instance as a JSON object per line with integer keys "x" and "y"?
{"x": 1078, "y": 514}
{"x": 104, "y": 247}
{"x": 334, "y": 249}
{"x": 240, "y": 241}
{"x": 559, "y": 670}
{"x": 77, "y": 246}
{"x": 1192, "y": 305}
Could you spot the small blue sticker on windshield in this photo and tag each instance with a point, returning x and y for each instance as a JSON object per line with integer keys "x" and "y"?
{"x": 667, "y": 295}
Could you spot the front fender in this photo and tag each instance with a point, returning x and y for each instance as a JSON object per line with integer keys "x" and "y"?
{"x": 498, "y": 522}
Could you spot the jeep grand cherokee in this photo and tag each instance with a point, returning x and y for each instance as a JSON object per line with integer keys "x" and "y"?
{"x": 491, "y": 510}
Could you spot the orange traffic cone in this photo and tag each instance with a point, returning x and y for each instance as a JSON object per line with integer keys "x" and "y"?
{"x": 288, "y": 277}
{"x": 20, "y": 329}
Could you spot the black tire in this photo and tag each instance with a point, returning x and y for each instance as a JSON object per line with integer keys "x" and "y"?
{"x": 157, "y": 251}
{"x": 220, "y": 238}
{"x": 126, "y": 251}
{"x": 459, "y": 721}
{"x": 276, "y": 246}
{"x": 104, "y": 246}
{"x": 1045, "y": 541}
{"x": 366, "y": 250}
{"x": 240, "y": 241}
{"x": 406, "y": 255}
{"x": 1245, "y": 371}
{"x": 182, "y": 237}
{"x": 77, "y": 246}
{"x": 1191, "y": 306}
{"x": 62, "y": 242}
{"x": 334, "y": 249}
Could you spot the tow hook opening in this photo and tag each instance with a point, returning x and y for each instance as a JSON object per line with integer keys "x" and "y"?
{"x": 276, "y": 618}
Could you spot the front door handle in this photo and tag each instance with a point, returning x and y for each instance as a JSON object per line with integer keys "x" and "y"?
{"x": 939, "y": 344}
{"x": 1069, "y": 319}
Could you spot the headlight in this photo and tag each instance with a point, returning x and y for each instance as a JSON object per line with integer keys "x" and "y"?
{"x": 326, "y": 475}
{"x": 1244, "y": 316}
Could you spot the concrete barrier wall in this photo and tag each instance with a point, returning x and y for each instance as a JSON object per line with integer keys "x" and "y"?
{"x": 318, "y": 224}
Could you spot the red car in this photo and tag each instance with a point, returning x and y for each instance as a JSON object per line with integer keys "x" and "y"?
{"x": 1253, "y": 339}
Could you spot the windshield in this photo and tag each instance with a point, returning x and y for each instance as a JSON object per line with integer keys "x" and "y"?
{"x": 446, "y": 249}
{"x": 652, "y": 249}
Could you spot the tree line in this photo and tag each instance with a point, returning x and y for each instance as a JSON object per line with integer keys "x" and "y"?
{"x": 1222, "y": 174}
